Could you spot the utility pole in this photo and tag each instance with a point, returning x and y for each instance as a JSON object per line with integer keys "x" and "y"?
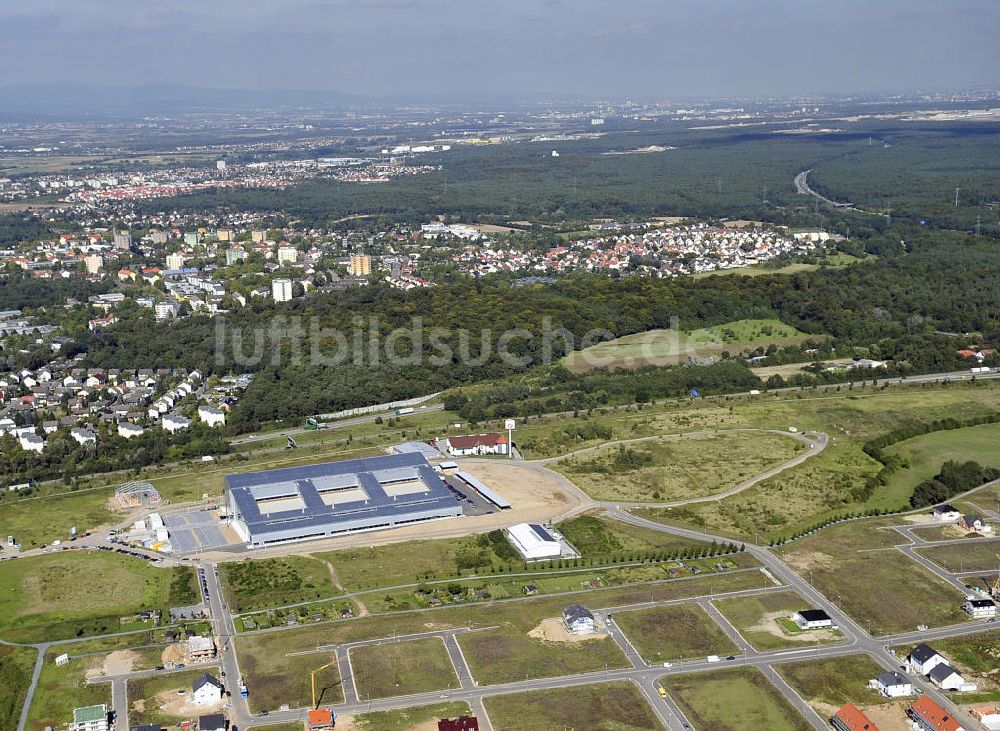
{"x": 956, "y": 196}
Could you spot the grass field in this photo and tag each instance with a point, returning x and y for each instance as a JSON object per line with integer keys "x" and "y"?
{"x": 679, "y": 632}
{"x": 615, "y": 706}
{"x": 971, "y": 555}
{"x": 402, "y": 668}
{"x": 733, "y": 700}
{"x": 756, "y": 619}
{"x": 853, "y": 563}
{"x": 76, "y": 593}
{"x": 673, "y": 347}
{"x": 251, "y": 585}
{"x": 594, "y": 535}
{"x": 61, "y": 689}
{"x": 16, "y": 664}
{"x": 834, "y": 681}
{"x": 406, "y": 719}
{"x": 275, "y": 678}
{"x": 925, "y": 454}
{"x": 674, "y": 468}
{"x": 142, "y": 704}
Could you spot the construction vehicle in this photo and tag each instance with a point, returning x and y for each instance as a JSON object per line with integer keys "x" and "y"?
{"x": 291, "y": 444}
{"x": 312, "y": 424}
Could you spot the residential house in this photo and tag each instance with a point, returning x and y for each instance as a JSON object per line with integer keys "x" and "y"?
{"x": 207, "y": 689}
{"x": 174, "y": 423}
{"x": 980, "y": 608}
{"x": 946, "y": 513}
{"x": 579, "y": 620}
{"x": 462, "y": 723}
{"x": 129, "y": 430}
{"x": 850, "y": 718}
{"x": 200, "y": 648}
{"x": 320, "y": 719}
{"x": 923, "y": 658}
{"x": 974, "y": 523}
{"x": 212, "y": 415}
{"x": 929, "y": 716}
{"x": 812, "y": 619}
{"x": 83, "y": 436}
{"x": 989, "y": 716}
{"x": 212, "y": 722}
{"x": 31, "y": 443}
{"x": 946, "y": 677}
{"x": 475, "y": 444}
{"x": 90, "y": 718}
{"x": 892, "y": 685}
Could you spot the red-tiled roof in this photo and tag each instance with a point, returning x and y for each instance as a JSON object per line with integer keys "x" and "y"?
{"x": 475, "y": 440}
{"x": 933, "y": 714}
{"x": 853, "y": 719}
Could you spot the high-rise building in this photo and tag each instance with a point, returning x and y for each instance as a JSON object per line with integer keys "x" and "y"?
{"x": 287, "y": 255}
{"x": 159, "y": 237}
{"x": 258, "y": 237}
{"x": 94, "y": 263}
{"x": 220, "y": 165}
{"x": 175, "y": 261}
{"x": 281, "y": 290}
{"x": 123, "y": 242}
{"x": 235, "y": 254}
{"x": 360, "y": 265}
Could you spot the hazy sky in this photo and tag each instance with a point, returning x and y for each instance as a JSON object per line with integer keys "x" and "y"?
{"x": 649, "y": 48}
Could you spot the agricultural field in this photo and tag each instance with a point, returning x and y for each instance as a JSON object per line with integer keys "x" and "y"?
{"x": 61, "y": 689}
{"x": 679, "y": 632}
{"x": 148, "y": 695}
{"x": 733, "y": 700}
{"x": 677, "y": 467}
{"x": 402, "y": 668}
{"x": 827, "y": 684}
{"x": 853, "y": 562}
{"x": 16, "y": 664}
{"x": 74, "y": 593}
{"x": 617, "y": 706}
{"x": 925, "y": 454}
{"x": 673, "y": 347}
{"x": 250, "y": 585}
{"x": 594, "y": 535}
{"x": 971, "y": 555}
{"x": 764, "y": 621}
{"x": 404, "y": 719}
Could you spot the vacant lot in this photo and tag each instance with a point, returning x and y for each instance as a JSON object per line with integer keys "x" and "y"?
{"x": 274, "y": 677}
{"x": 270, "y": 582}
{"x": 16, "y": 664}
{"x": 63, "y": 688}
{"x": 678, "y": 632}
{"x": 764, "y": 622}
{"x": 402, "y": 668}
{"x": 972, "y": 555}
{"x": 854, "y": 562}
{"x": 677, "y": 467}
{"x": 608, "y": 707}
{"x": 404, "y": 719}
{"x": 673, "y": 347}
{"x": 925, "y": 454}
{"x": 733, "y": 700}
{"x": 80, "y": 592}
{"x": 594, "y": 535}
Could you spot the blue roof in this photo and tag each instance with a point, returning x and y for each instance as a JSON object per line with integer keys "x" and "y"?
{"x": 370, "y": 475}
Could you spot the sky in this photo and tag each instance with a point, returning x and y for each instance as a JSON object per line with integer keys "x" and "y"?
{"x": 658, "y": 49}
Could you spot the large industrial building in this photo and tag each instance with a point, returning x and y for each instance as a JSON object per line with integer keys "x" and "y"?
{"x": 318, "y": 501}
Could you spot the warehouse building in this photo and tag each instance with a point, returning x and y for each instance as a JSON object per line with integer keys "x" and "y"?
{"x": 533, "y": 541}
{"x": 323, "y": 500}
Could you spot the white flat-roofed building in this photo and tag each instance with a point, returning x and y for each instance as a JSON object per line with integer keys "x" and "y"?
{"x": 533, "y": 541}
{"x": 212, "y": 415}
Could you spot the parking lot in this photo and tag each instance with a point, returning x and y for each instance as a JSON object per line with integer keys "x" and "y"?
{"x": 472, "y": 502}
{"x": 195, "y": 530}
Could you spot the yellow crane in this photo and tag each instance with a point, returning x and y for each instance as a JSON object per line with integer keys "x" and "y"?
{"x": 312, "y": 678}
{"x": 995, "y": 589}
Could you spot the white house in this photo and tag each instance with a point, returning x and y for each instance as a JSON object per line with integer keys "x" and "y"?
{"x": 579, "y": 620}
{"x": 211, "y": 415}
{"x": 812, "y": 619}
{"x": 946, "y": 677}
{"x": 475, "y": 444}
{"x": 533, "y": 541}
{"x": 923, "y": 658}
{"x": 946, "y": 513}
{"x": 892, "y": 685}
{"x": 90, "y": 718}
{"x": 980, "y": 608}
{"x": 31, "y": 442}
{"x": 128, "y": 430}
{"x": 83, "y": 436}
{"x": 989, "y": 716}
{"x": 207, "y": 690}
{"x": 174, "y": 423}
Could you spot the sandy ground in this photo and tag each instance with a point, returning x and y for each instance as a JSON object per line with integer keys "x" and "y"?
{"x": 809, "y": 559}
{"x": 769, "y": 625}
{"x": 537, "y": 494}
{"x": 174, "y": 704}
{"x": 347, "y": 723}
{"x": 887, "y": 716}
{"x": 174, "y": 653}
{"x": 553, "y": 630}
{"x": 115, "y": 663}
{"x": 923, "y": 519}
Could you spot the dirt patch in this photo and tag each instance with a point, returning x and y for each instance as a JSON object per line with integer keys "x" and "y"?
{"x": 553, "y": 630}
{"x": 922, "y": 519}
{"x": 174, "y": 653}
{"x": 173, "y": 703}
{"x": 769, "y": 625}
{"x": 120, "y": 662}
{"x": 805, "y": 560}
{"x": 887, "y": 716}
